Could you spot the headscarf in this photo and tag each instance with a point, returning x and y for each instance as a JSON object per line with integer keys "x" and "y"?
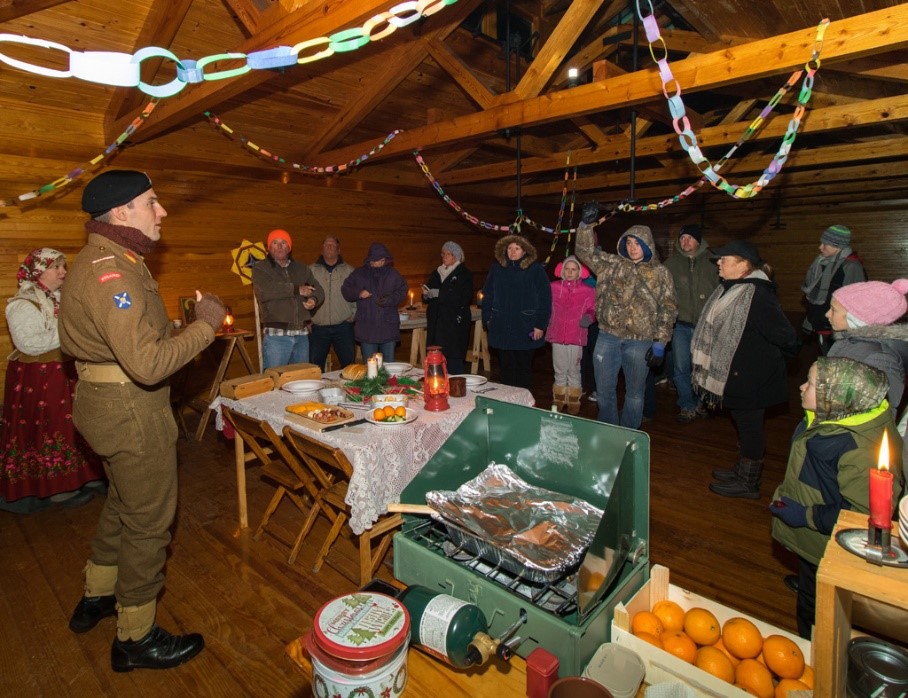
{"x": 36, "y": 263}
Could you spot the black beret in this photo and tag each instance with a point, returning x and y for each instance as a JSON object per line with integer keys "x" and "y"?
{"x": 113, "y": 188}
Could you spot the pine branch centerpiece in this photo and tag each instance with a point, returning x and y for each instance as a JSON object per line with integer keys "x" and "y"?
{"x": 362, "y": 389}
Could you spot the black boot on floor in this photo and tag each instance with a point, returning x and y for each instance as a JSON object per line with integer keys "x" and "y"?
{"x": 90, "y": 610}
{"x": 723, "y": 475}
{"x": 746, "y": 482}
{"x": 735, "y": 488}
{"x": 791, "y": 581}
{"x": 157, "y": 650}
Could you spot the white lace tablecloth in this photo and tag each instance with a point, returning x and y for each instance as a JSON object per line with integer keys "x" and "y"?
{"x": 385, "y": 457}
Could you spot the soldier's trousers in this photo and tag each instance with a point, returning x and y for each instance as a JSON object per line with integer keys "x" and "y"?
{"x": 133, "y": 429}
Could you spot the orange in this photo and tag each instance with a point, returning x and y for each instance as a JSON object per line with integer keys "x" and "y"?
{"x": 680, "y": 645}
{"x": 786, "y": 685}
{"x": 646, "y": 622}
{"x": 389, "y": 411}
{"x": 742, "y": 638}
{"x": 732, "y": 658}
{"x": 754, "y": 677}
{"x": 715, "y": 662}
{"x": 400, "y": 411}
{"x": 701, "y": 626}
{"x": 378, "y": 415}
{"x": 807, "y": 677}
{"x": 650, "y": 638}
{"x": 670, "y": 613}
{"x": 746, "y": 689}
{"x": 783, "y": 657}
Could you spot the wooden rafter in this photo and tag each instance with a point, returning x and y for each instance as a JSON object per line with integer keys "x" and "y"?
{"x": 873, "y": 32}
{"x": 14, "y": 9}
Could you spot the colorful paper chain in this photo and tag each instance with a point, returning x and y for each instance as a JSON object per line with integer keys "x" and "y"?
{"x": 304, "y": 169}
{"x": 75, "y": 174}
{"x": 124, "y": 69}
{"x": 682, "y": 124}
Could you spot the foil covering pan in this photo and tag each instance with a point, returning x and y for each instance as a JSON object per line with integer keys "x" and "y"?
{"x": 530, "y": 531}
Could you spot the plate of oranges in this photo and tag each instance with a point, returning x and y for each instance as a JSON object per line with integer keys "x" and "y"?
{"x": 391, "y": 416}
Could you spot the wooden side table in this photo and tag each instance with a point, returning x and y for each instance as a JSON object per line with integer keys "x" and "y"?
{"x": 840, "y": 576}
{"x": 235, "y": 341}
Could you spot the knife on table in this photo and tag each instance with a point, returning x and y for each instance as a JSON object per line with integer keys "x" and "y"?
{"x": 345, "y": 424}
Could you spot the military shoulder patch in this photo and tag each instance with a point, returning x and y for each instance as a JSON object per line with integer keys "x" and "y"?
{"x": 122, "y": 300}
{"x": 109, "y": 276}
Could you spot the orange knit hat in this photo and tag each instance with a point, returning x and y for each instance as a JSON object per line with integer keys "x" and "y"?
{"x": 279, "y": 235}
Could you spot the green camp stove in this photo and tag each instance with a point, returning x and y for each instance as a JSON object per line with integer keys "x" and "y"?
{"x": 569, "y": 614}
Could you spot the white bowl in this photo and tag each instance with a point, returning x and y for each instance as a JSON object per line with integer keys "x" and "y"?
{"x": 392, "y": 399}
{"x": 331, "y": 396}
{"x": 404, "y": 316}
{"x": 903, "y": 509}
{"x": 299, "y": 387}
{"x": 397, "y": 368}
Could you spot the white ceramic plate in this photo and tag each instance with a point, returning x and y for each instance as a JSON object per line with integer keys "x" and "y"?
{"x": 297, "y": 387}
{"x": 473, "y": 381}
{"x": 411, "y": 416}
{"x": 397, "y": 368}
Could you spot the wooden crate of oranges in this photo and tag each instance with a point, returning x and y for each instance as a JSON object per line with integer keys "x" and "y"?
{"x": 715, "y": 650}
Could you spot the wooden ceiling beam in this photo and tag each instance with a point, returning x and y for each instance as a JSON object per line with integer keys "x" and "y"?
{"x": 14, "y": 9}
{"x": 460, "y": 72}
{"x": 867, "y": 34}
{"x": 618, "y": 147}
{"x": 313, "y": 20}
{"x": 556, "y": 47}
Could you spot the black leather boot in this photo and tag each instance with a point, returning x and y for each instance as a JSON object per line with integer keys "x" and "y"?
{"x": 90, "y": 610}
{"x": 726, "y": 475}
{"x": 746, "y": 483}
{"x": 157, "y": 650}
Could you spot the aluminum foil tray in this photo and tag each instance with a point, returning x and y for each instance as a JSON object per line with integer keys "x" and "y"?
{"x": 529, "y": 531}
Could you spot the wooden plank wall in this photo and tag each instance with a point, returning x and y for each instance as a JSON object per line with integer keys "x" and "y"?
{"x": 210, "y": 215}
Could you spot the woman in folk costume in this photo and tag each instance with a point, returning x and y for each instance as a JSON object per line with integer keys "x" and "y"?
{"x": 738, "y": 352}
{"x": 573, "y": 311}
{"x": 43, "y": 459}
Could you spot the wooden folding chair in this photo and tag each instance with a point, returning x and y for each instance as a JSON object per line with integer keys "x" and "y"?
{"x": 281, "y": 467}
{"x": 329, "y": 463}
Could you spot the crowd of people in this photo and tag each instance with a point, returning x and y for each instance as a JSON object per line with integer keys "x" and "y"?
{"x": 87, "y": 406}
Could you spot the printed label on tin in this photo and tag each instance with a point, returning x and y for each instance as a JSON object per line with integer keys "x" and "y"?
{"x": 361, "y": 620}
{"x": 433, "y": 627}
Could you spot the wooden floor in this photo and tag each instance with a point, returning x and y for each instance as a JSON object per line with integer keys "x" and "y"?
{"x": 249, "y": 603}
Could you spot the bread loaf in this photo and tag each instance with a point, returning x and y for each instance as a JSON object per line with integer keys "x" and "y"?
{"x": 353, "y": 372}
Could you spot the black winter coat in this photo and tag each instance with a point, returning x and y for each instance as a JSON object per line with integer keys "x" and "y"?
{"x": 758, "y": 377}
{"x": 448, "y": 316}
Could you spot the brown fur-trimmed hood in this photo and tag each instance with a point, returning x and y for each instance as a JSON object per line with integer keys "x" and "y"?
{"x": 501, "y": 250}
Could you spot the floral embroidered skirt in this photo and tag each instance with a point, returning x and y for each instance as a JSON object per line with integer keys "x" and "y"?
{"x": 41, "y": 453}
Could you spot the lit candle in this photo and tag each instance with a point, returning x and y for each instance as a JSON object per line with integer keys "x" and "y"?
{"x": 881, "y": 489}
{"x": 479, "y": 298}
{"x": 371, "y": 368}
{"x": 411, "y": 299}
{"x": 379, "y": 359}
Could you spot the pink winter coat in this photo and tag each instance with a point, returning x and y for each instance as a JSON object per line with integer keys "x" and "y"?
{"x": 571, "y": 300}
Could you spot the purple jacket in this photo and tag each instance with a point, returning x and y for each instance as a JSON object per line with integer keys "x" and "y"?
{"x": 377, "y": 319}
{"x": 571, "y": 300}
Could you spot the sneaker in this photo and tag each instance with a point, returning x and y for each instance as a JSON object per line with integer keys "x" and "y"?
{"x": 686, "y": 416}
{"x": 592, "y": 397}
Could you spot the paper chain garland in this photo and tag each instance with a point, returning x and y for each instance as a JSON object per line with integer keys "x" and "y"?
{"x": 124, "y": 69}
{"x": 689, "y": 140}
{"x": 75, "y": 174}
{"x": 305, "y": 169}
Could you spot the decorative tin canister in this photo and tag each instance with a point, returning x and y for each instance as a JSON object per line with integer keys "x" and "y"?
{"x": 358, "y": 646}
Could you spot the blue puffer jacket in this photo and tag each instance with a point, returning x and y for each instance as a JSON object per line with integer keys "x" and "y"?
{"x": 517, "y": 298}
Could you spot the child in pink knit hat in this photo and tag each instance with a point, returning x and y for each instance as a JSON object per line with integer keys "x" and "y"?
{"x": 862, "y": 317}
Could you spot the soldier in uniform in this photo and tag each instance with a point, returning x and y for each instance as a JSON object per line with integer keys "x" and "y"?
{"x": 113, "y": 322}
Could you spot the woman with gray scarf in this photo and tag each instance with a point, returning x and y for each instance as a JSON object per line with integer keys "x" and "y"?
{"x": 447, "y": 294}
{"x": 836, "y": 266}
{"x": 738, "y": 352}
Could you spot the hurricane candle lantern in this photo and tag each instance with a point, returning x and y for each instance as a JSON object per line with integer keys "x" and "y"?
{"x": 435, "y": 383}
{"x": 228, "y": 321}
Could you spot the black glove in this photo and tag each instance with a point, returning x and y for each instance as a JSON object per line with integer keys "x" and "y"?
{"x": 210, "y": 309}
{"x": 590, "y": 212}
{"x": 655, "y": 355}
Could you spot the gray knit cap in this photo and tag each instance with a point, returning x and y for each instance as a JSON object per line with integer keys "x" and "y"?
{"x": 454, "y": 249}
{"x": 837, "y": 236}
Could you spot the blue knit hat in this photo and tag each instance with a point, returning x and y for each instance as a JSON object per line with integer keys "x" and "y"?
{"x": 837, "y": 236}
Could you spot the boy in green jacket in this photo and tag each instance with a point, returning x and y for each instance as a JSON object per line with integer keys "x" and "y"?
{"x": 832, "y": 451}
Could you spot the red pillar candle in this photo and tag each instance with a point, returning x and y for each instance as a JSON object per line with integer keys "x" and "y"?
{"x": 881, "y": 489}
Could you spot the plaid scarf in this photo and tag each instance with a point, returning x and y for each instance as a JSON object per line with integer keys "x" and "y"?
{"x": 717, "y": 336}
